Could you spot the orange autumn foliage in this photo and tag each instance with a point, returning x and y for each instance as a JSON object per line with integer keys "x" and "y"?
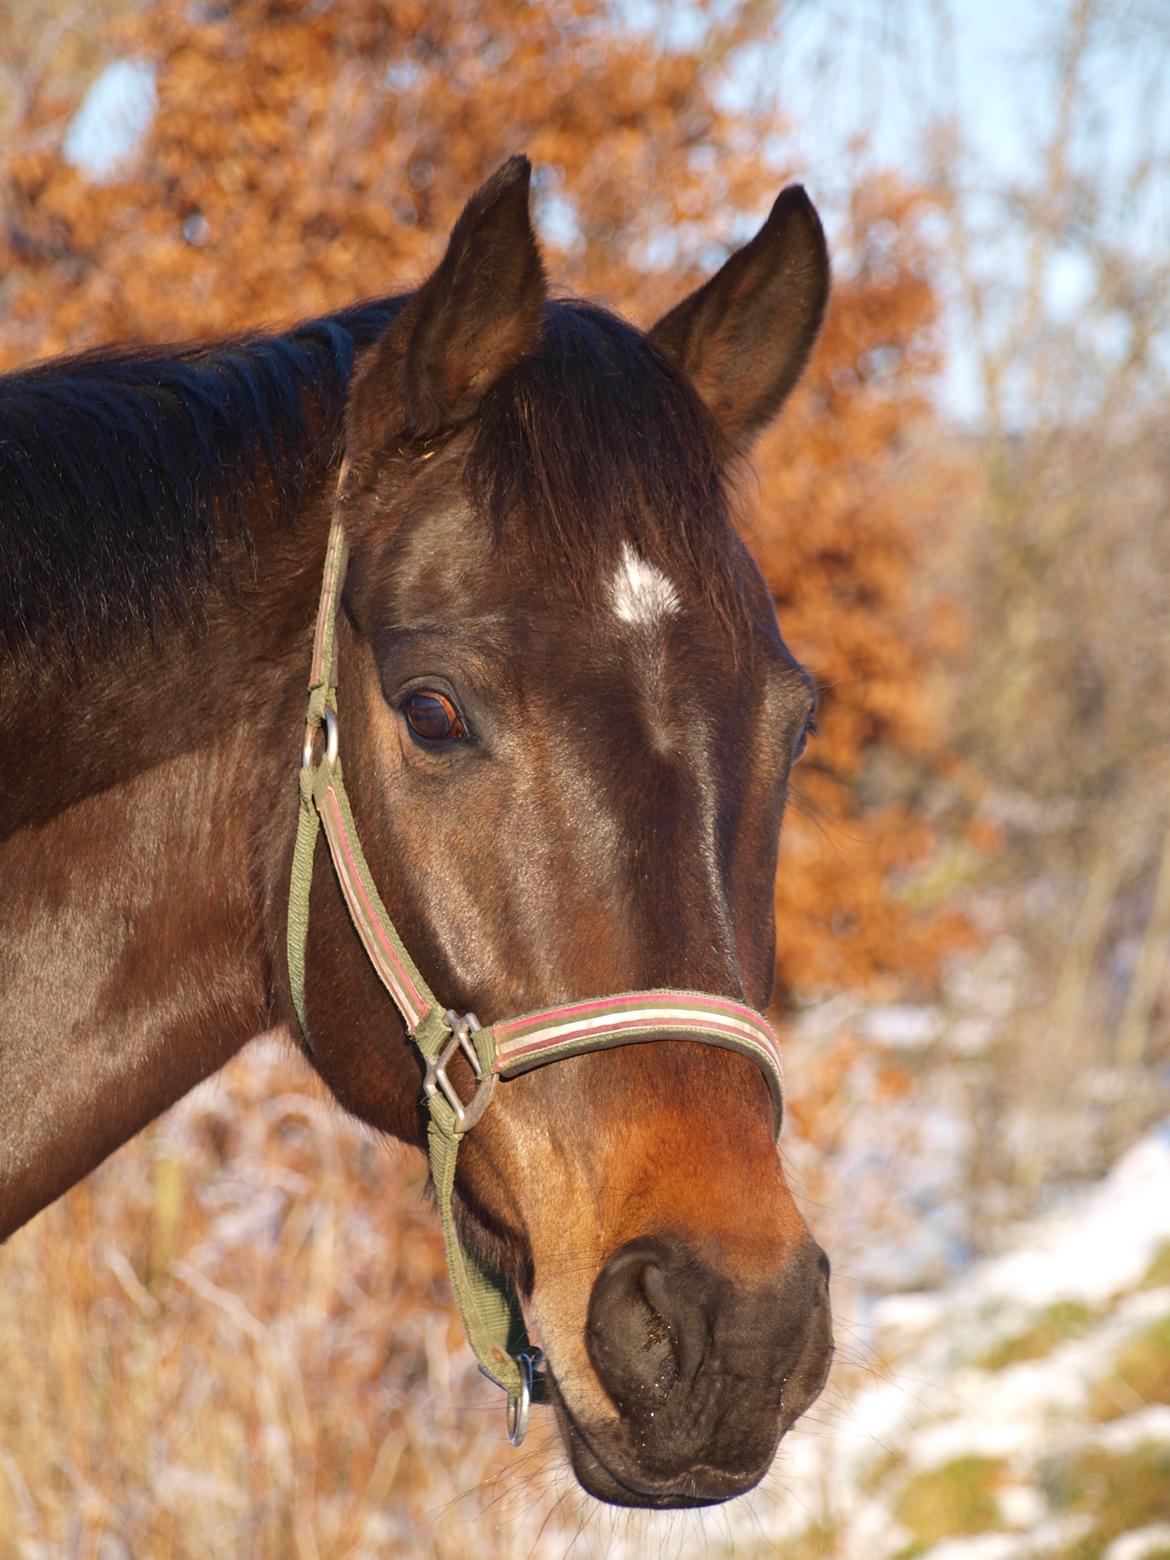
{"x": 303, "y": 156}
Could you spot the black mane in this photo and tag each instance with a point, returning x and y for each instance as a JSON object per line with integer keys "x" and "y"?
{"x": 125, "y": 474}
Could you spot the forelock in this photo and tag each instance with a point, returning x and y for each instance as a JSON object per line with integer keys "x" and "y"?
{"x": 597, "y": 448}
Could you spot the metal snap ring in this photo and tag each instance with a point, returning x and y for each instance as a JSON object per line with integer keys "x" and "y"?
{"x": 519, "y": 1404}
{"x": 329, "y": 721}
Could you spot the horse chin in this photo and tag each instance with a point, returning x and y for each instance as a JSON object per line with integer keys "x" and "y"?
{"x": 602, "y": 1466}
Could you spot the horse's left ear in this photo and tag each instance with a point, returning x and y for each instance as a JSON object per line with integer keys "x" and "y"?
{"x": 479, "y": 312}
{"x": 744, "y": 336}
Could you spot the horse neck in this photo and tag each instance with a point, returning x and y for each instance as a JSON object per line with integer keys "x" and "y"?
{"x": 149, "y": 809}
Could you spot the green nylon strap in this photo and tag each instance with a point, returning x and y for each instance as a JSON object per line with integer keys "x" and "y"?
{"x": 299, "y": 890}
{"x": 371, "y": 918}
{"x": 320, "y": 687}
{"x": 332, "y": 579}
{"x": 491, "y": 1315}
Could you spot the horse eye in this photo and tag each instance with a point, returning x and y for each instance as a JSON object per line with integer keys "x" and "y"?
{"x": 810, "y": 730}
{"x": 433, "y": 717}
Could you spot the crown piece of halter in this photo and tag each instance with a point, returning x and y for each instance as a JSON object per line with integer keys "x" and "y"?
{"x": 490, "y": 1309}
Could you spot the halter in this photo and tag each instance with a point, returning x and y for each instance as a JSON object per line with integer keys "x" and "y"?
{"x": 492, "y": 1318}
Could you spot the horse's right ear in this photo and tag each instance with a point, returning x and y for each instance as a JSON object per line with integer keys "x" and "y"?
{"x": 478, "y": 313}
{"x": 744, "y": 336}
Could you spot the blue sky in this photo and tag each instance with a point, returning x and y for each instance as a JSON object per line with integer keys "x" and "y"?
{"x": 858, "y": 80}
{"x": 114, "y": 114}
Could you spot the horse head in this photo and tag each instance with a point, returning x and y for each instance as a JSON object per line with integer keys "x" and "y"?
{"x": 568, "y": 719}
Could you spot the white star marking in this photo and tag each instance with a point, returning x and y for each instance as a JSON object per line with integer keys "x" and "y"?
{"x": 640, "y": 593}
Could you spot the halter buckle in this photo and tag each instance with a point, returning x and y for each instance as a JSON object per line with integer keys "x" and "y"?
{"x": 436, "y": 1081}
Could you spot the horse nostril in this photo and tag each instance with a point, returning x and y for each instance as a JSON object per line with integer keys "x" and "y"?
{"x": 646, "y": 1324}
{"x": 825, "y": 1266}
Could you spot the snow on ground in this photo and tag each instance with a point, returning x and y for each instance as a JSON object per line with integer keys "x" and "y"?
{"x": 1023, "y": 1410}
{"x": 1098, "y": 1247}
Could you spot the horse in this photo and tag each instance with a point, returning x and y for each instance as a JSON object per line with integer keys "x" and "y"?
{"x": 568, "y": 721}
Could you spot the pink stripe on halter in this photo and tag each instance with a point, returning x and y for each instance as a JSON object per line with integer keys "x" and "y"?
{"x": 596, "y": 1005}
{"x": 406, "y": 995}
{"x": 686, "y": 1013}
{"x": 568, "y": 1034}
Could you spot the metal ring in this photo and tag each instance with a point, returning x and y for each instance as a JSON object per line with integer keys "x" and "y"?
{"x": 518, "y": 1406}
{"x": 329, "y": 721}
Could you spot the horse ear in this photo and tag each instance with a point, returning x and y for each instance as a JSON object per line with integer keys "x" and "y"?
{"x": 744, "y": 336}
{"x": 478, "y": 313}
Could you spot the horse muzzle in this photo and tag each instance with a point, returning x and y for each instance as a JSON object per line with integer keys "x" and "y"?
{"x": 704, "y": 1375}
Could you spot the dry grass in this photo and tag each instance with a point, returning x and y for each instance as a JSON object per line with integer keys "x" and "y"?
{"x": 232, "y": 1340}
{"x": 955, "y": 1500}
{"x": 1140, "y": 1375}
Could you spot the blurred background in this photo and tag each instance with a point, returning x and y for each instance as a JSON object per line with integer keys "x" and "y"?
{"x": 235, "y": 1338}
